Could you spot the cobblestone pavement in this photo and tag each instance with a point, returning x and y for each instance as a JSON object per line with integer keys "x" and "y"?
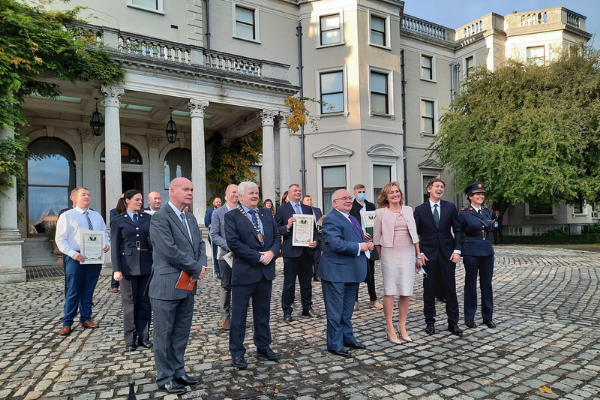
{"x": 546, "y": 307}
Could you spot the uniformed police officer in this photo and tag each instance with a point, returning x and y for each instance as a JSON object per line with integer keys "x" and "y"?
{"x": 132, "y": 266}
{"x": 478, "y": 255}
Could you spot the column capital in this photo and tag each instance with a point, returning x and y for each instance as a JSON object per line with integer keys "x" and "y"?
{"x": 268, "y": 117}
{"x": 112, "y": 95}
{"x": 153, "y": 140}
{"x": 196, "y": 107}
{"x": 283, "y": 116}
{"x": 86, "y": 135}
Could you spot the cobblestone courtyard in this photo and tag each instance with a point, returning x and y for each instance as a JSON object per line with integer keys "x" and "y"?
{"x": 546, "y": 308}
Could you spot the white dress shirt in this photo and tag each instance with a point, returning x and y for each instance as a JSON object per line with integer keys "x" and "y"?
{"x": 68, "y": 229}
{"x": 439, "y": 207}
{"x": 179, "y": 217}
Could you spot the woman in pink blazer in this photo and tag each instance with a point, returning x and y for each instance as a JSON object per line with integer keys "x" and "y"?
{"x": 395, "y": 235}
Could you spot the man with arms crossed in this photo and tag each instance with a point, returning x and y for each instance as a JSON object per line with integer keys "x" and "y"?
{"x": 435, "y": 220}
{"x": 177, "y": 246}
{"x": 217, "y": 231}
{"x": 254, "y": 240}
{"x": 81, "y": 279}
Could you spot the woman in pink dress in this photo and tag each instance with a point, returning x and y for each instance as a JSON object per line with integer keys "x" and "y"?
{"x": 395, "y": 235}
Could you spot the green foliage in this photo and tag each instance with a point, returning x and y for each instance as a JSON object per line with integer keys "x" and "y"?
{"x": 231, "y": 163}
{"x": 12, "y": 159}
{"x": 531, "y": 133}
{"x": 544, "y": 239}
{"x": 556, "y": 232}
{"x": 595, "y": 228}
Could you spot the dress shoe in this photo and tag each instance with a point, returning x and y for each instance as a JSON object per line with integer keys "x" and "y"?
{"x": 268, "y": 355}
{"x": 376, "y": 304}
{"x": 287, "y": 317}
{"x": 130, "y": 347}
{"x": 115, "y": 290}
{"x": 173, "y": 388}
{"x": 406, "y": 338}
{"x": 239, "y": 362}
{"x": 65, "y": 330}
{"x": 356, "y": 306}
{"x": 89, "y": 324}
{"x": 311, "y": 313}
{"x": 430, "y": 329}
{"x": 490, "y": 324}
{"x": 453, "y": 327}
{"x": 356, "y": 345}
{"x": 188, "y": 380}
{"x": 340, "y": 352}
{"x": 147, "y": 344}
{"x": 471, "y": 324}
{"x": 226, "y": 324}
{"x": 395, "y": 341}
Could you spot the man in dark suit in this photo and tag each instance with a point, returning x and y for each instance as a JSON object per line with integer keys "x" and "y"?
{"x": 307, "y": 201}
{"x": 207, "y": 220}
{"x": 436, "y": 219}
{"x": 359, "y": 206}
{"x": 253, "y": 238}
{"x": 297, "y": 260}
{"x": 497, "y": 223}
{"x": 154, "y": 203}
{"x": 343, "y": 267}
{"x": 177, "y": 247}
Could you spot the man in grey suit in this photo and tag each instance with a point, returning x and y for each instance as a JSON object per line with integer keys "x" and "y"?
{"x": 217, "y": 231}
{"x": 177, "y": 247}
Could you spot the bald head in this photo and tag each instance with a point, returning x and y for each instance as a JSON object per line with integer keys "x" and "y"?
{"x": 231, "y": 195}
{"x": 154, "y": 201}
{"x": 181, "y": 192}
{"x": 342, "y": 201}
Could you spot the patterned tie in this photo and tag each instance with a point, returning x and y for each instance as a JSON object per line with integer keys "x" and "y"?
{"x": 184, "y": 222}
{"x": 356, "y": 227}
{"x": 436, "y": 215}
{"x": 87, "y": 216}
{"x": 298, "y": 209}
{"x": 135, "y": 219}
{"x": 253, "y": 215}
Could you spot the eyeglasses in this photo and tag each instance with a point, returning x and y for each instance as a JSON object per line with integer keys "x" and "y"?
{"x": 347, "y": 198}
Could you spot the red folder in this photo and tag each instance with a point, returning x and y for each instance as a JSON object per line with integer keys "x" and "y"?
{"x": 184, "y": 282}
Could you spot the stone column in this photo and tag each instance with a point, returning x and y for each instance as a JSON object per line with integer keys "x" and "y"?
{"x": 285, "y": 174}
{"x": 87, "y": 167}
{"x": 11, "y": 243}
{"x": 268, "y": 165}
{"x": 155, "y": 183}
{"x": 197, "y": 107}
{"x": 112, "y": 147}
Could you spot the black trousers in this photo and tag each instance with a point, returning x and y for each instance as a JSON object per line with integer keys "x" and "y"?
{"x": 225, "y": 297}
{"x": 317, "y": 258}
{"x": 300, "y": 267}
{"x": 370, "y": 280}
{"x": 498, "y": 233}
{"x": 484, "y": 267}
{"x": 440, "y": 271}
{"x": 137, "y": 311}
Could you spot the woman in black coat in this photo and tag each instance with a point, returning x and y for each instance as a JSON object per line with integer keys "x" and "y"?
{"x": 132, "y": 266}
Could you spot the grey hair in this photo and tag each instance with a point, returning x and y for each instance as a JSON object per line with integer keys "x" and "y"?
{"x": 246, "y": 184}
{"x": 334, "y": 196}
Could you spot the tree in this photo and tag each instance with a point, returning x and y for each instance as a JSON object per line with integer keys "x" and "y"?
{"x": 531, "y": 133}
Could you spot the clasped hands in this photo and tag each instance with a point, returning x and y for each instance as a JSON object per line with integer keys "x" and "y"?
{"x": 202, "y": 275}
{"x": 367, "y": 246}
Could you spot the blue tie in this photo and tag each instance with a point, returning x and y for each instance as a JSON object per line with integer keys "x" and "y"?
{"x": 87, "y": 216}
{"x": 298, "y": 209}
{"x": 253, "y": 215}
{"x": 135, "y": 219}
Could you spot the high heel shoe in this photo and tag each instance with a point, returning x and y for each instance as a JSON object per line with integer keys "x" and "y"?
{"x": 405, "y": 338}
{"x": 395, "y": 341}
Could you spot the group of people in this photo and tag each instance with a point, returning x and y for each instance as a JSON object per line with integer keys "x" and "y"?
{"x": 153, "y": 251}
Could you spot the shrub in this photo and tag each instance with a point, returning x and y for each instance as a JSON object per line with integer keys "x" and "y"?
{"x": 595, "y": 228}
{"x": 556, "y": 232}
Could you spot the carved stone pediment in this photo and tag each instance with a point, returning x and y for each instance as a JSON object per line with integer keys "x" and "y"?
{"x": 333, "y": 151}
{"x": 383, "y": 150}
{"x": 430, "y": 163}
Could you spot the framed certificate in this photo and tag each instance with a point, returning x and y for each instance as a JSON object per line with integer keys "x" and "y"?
{"x": 368, "y": 221}
{"x": 92, "y": 245}
{"x": 303, "y": 230}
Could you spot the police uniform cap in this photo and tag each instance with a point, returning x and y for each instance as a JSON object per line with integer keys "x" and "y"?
{"x": 475, "y": 187}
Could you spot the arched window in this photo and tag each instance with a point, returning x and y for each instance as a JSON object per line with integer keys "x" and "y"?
{"x": 50, "y": 179}
{"x": 129, "y": 155}
{"x": 178, "y": 163}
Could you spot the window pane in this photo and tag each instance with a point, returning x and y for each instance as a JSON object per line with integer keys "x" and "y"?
{"x": 178, "y": 163}
{"x": 51, "y": 162}
{"x": 244, "y": 31}
{"x": 382, "y": 175}
{"x": 427, "y": 125}
{"x": 378, "y": 24}
{"x": 427, "y": 108}
{"x": 44, "y": 203}
{"x": 426, "y": 61}
{"x": 334, "y": 103}
{"x": 256, "y": 171}
{"x": 129, "y": 155}
{"x": 331, "y": 82}
{"x": 330, "y": 37}
{"x": 334, "y": 177}
{"x": 377, "y": 38}
{"x": 379, "y": 103}
{"x": 244, "y": 15}
{"x": 150, "y": 4}
{"x": 378, "y": 82}
{"x": 330, "y": 22}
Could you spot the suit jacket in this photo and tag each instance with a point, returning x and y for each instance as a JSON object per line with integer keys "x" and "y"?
{"x": 341, "y": 261}
{"x": 495, "y": 218}
{"x": 173, "y": 252}
{"x": 385, "y": 221}
{"x": 438, "y": 239}
{"x": 125, "y": 240}
{"x": 242, "y": 240}
{"x": 208, "y": 216}
{"x": 217, "y": 230}
{"x": 318, "y": 214}
{"x": 355, "y": 212}
{"x": 474, "y": 227}
{"x": 284, "y": 213}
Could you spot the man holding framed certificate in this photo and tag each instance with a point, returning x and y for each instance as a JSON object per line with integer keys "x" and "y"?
{"x": 81, "y": 234}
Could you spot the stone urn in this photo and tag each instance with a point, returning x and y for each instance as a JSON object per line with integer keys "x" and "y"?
{"x": 59, "y": 261}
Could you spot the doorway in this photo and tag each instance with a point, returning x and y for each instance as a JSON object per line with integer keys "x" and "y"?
{"x": 129, "y": 180}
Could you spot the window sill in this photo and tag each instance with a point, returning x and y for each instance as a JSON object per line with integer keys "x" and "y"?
{"x": 429, "y": 80}
{"x": 376, "y": 114}
{"x": 161, "y": 12}
{"x": 333, "y": 114}
{"x": 423, "y": 134}
{"x": 324, "y": 46}
{"x": 380, "y": 46}
{"x": 247, "y": 40}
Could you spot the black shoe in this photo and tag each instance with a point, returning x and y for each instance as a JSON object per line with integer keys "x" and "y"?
{"x": 342, "y": 353}
{"x": 239, "y": 362}
{"x": 430, "y": 329}
{"x": 188, "y": 380}
{"x": 357, "y": 345}
{"x": 173, "y": 388}
{"x": 471, "y": 324}
{"x": 130, "y": 347}
{"x": 310, "y": 313}
{"x": 268, "y": 355}
{"x": 287, "y": 317}
{"x": 147, "y": 344}
{"x": 490, "y": 324}
{"x": 453, "y": 327}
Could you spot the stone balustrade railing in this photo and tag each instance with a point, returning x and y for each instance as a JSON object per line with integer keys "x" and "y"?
{"x": 532, "y": 230}
{"x": 422, "y": 27}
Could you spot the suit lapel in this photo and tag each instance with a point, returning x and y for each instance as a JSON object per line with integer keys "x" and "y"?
{"x": 430, "y": 214}
{"x": 267, "y": 229}
{"x": 127, "y": 219}
{"x": 350, "y": 223}
{"x": 178, "y": 222}
{"x": 249, "y": 224}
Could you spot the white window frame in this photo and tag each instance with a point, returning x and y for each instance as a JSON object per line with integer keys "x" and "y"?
{"x": 249, "y": 6}
{"x": 388, "y": 38}
{"x": 339, "y": 161}
{"x": 436, "y": 124}
{"x": 159, "y": 9}
{"x": 429, "y": 174}
{"x": 433, "y": 67}
{"x": 318, "y": 72}
{"x": 342, "y": 42}
{"x": 390, "y": 94}
{"x": 384, "y": 162}
{"x": 465, "y": 69}
{"x": 546, "y": 47}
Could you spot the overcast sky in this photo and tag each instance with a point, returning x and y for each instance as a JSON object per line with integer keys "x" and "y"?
{"x": 455, "y": 13}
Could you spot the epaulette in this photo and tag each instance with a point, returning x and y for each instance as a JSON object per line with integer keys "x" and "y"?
{"x": 470, "y": 208}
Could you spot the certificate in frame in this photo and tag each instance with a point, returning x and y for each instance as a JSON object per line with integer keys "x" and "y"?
{"x": 368, "y": 221}
{"x": 303, "y": 230}
{"x": 92, "y": 247}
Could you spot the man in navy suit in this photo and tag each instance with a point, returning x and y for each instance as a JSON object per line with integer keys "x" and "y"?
{"x": 207, "y": 221}
{"x": 435, "y": 220}
{"x": 343, "y": 266}
{"x": 253, "y": 238}
{"x": 307, "y": 201}
{"x": 297, "y": 260}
